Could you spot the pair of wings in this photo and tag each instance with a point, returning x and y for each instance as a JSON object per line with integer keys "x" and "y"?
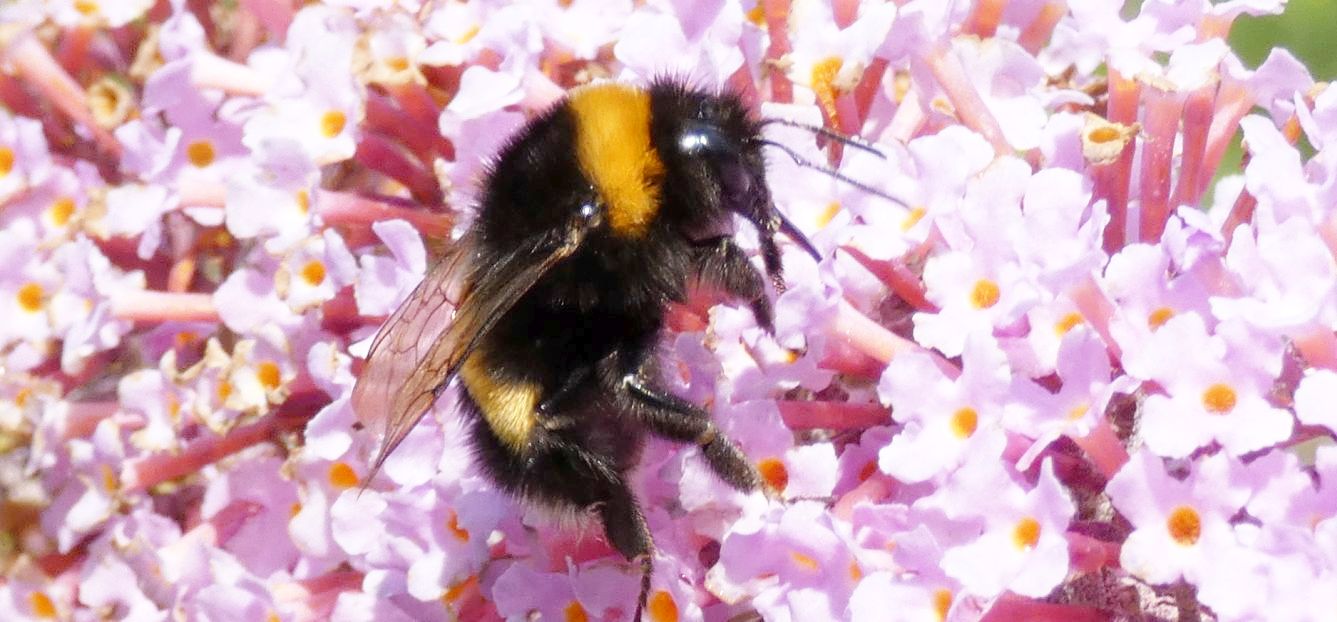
{"x": 424, "y": 342}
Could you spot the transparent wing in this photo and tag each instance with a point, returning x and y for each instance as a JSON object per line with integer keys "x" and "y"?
{"x": 423, "y": 344}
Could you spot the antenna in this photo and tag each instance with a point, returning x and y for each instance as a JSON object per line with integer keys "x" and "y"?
{"x": 857, "y": 143}
{"x": 833, "y": 173}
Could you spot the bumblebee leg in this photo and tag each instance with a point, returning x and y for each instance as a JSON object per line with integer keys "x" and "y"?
{"x": 674, "y": 418}
{"x": 721, "y": 263}
{"x": 624, "y": 524}
{"x": 547, "y": 409}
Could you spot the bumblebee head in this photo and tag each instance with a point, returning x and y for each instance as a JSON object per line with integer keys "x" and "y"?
{"x": 714, "y": 168}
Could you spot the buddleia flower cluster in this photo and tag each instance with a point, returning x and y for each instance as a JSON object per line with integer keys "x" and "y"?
{"x": 1060, "y": 371}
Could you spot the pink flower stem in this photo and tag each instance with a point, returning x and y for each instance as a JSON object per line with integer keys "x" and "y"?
{"x": 1242, "y": 210}
{"x": 841, "y": 357}
{"x": 1038, "y": 32}
{"x": 983, "y": 22}
{"x": 34, "y": 66}
{"x": 961, "y": 91}
{"x": 777, "y": 25}
{"x": 1197, "y": 124}
{"x": 819, "y": 415}
{"x": 741, "y": 82}
{"x": 1096, "y": 309}
{"x": 418, "y": 104}
{"x": 83, "y": 417}
{"x": 385, "y": 117}
{"x": 247, "y": 33}
{"x": 225, "y": 523}
{"x": 875, "y": 489}
{"x": 1112, "y": 183}
{"x": 844, "y": 12}
{"x": 1160, "y": 125}
{"x": 153, "y": 307}
{"x": 72, "y": 51}
{"x": 148, "y": 471}
{"x": 1103, "y": 447}
{"x": 868, "y": 87}
{"x": 1318, "y": 346}
{"x": 1013, "y": 608}
{"x": 909, "y": 118}
{"x": 346, "y": 208}
{"x": 274, "y": 15}
{"x": 1233, "y": 101}
{"x": 379, "y": 153}
{"x": 211, "y": 71}
{"x": 896, "y": 276}
{"x": 871, "y": 338}
{"x": 1087, "y": 554}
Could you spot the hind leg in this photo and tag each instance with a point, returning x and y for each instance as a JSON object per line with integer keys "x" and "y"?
{"x": 624, "y": 524}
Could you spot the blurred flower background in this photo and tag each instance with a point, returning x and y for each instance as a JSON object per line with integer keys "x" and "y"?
{"x": 1083, "y": 368}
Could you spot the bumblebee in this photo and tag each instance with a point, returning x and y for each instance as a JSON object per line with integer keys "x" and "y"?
{"x": 593, "y": 218}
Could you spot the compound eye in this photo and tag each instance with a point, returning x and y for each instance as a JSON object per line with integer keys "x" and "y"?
{"x": 700, "y": 139}
{"x": 735, "y": 179}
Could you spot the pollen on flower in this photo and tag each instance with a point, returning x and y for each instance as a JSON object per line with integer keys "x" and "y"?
{"x": 6, "y": 160}
{"x": 856, "y": 573}
{"x": 60, "y": 211}
{"x": 269, "y": 374}
{"x": 110, "y": 481}
{"x": 21, "y": 398}
{"x": 661, "y": 608}
{"x": 273, "y": 617}
{"x": 964, "y": 421}
{"x": 41, "y": 605}
{"x": 303, "y": 200}
{"x": 397, "y": 63}
{"x": 294, "y": 509}
{"x": 1185, "y": 525}
{"x": 109, "y": 100}
{"x": 468, "y": 34}
{"x": 1159, "y": 317}
{"x": 1067, "y": 323}
{"x": 31, "y": 297}
{"x": 1026, "y": 533}
{"x": 911, "y": 219}
{"x": 574, "y": 612}
{"x": 86, "y": 7}
{"x": 804, "y": 561}
{"x": 1219, "y": 398}
{"x": 1078, "y": 411}
{"x": 224, "y": 390}
{"x": 453, "y": 525}
{"x": 342, "y": 476}
{"x": 824, "y": 83}
{"x": 942, "y": 602}
{"x": 185, "y": 338}
{"x": 200, "y": 153}
{"x": 828, "y": 214}
{"x": 1103, "y": 141}
{"x": 332, "y": 123}
{"x": 455, "y": 591}
{"x": 985, "y": 294}
{"x": 757, "y": 15}
{"x": 313, "y": 272}
{"x": 774, "y": 473}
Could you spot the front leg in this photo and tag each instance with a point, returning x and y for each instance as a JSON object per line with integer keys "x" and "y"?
{"x": 721, "y": 263}
{"x": 674, "y": 418}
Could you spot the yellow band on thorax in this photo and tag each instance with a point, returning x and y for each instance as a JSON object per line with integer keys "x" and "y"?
{"x": 614, "y": 150}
